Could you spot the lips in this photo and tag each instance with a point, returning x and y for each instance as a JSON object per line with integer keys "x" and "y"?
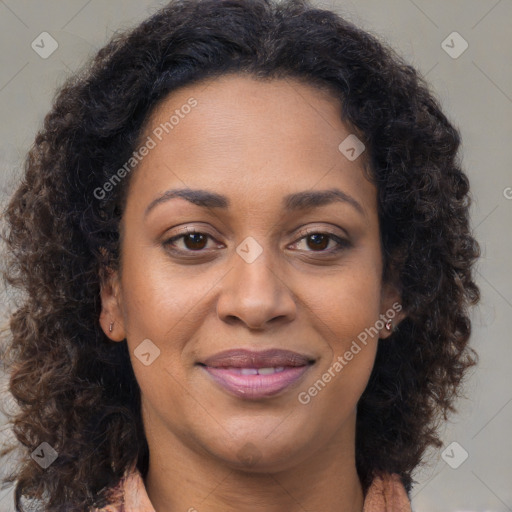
{"x": 256, "y": 375}
{"x": 273, "y": 358}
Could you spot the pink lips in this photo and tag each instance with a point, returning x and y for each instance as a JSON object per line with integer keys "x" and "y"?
{"x": 252, "y": 375}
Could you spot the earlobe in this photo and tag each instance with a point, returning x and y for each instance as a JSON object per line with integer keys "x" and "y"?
{"x": 111, "y": 317}
{"x": 392, "y": 312}
{"x": 390, "y": 326}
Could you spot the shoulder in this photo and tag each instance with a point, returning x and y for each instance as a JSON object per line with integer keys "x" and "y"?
{"x": 129, "y": 495}
{"x": 387, "y": 494}
{"x": 115, "y": 497}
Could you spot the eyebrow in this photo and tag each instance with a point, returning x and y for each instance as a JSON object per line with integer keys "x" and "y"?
{"x": 292, "y": 202}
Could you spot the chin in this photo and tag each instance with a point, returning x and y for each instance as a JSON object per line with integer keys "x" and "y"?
{"x": 261, "y": 454}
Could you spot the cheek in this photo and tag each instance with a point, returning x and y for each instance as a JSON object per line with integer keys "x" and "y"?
{"x": 345, "y": 325}
{"x": 157, "y": 298}
{"x": 346, "y": 315}
{"x": 348, "y": 301}
{"x": 167, "y": 307}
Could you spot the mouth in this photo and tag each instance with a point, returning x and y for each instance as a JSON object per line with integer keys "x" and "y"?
{"x": 255, "y": 375}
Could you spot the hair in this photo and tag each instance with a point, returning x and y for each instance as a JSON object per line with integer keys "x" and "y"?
{"x": 74, "y": 388}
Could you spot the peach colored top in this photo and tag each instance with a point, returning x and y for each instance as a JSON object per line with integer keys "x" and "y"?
{"x": 386, "y": 494}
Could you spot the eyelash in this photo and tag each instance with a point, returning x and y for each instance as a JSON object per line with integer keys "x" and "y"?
{"x": 342, "y": 242}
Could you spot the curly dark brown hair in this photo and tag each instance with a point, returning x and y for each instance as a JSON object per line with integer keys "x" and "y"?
{"x": 75, "y": 389}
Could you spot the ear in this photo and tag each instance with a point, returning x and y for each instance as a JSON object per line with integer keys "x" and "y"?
{"x": 391, "y": 309}
{"x": 111, "y": 316}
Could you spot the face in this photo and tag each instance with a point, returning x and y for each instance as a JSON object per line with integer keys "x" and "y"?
{"x": 274, "y": 262}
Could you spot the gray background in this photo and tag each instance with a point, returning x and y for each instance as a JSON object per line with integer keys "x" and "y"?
{"x": 476, "y": 91}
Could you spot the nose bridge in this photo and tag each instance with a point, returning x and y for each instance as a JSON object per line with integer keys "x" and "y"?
{"x": 254, "y": 291}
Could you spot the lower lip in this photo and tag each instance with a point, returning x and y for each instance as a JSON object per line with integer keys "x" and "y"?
{"x": 252, "y": 387}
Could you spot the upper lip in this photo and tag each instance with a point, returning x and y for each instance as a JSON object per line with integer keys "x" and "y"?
{"x": 241, "y": 358}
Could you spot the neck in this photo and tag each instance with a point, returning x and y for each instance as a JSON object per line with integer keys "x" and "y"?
{"x": 182, "y": 477}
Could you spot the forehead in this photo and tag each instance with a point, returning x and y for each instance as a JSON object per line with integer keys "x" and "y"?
{"x": 236, "y": 107}
{"x": 237, "y": 131}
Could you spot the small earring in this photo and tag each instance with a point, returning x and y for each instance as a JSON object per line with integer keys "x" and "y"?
{"x": 389, "y": 324}
{"x": 111, "y": 326}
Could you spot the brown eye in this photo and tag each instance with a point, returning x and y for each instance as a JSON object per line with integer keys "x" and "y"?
{"x": 196, "y": 241}
{"x": 193, "y": 241}
{"x": 319, "y": 242}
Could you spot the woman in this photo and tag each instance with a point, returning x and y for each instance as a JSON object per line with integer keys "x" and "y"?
{"x": 244, "y": 245}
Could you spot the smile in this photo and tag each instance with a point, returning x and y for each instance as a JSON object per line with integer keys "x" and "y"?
{"x": 256, "y": 383}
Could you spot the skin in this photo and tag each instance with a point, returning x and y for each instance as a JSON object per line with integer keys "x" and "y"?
{"x": 253, "y": 142}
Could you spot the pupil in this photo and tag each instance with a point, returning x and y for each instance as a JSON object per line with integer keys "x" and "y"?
{"x": 196, "y": 239}
{"x": 315, "y": 238}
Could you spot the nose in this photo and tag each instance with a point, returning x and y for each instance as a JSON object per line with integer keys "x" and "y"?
{"x": 255, "y": 294}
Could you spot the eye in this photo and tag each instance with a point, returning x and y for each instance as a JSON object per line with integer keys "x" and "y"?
{"x": 194, "y": 241}
{"x": 319, "y": 241}
{"x": 197, "y": 241}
